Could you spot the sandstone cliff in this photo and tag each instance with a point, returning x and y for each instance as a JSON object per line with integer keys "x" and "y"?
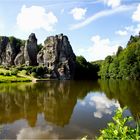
{"x": 56, "y": 55}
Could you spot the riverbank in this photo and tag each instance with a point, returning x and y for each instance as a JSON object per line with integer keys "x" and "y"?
{"x": 10, "y": 79}
{"x": 16, "y": 74}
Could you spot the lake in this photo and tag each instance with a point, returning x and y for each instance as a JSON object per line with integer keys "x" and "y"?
{"x": 63, "y": 109}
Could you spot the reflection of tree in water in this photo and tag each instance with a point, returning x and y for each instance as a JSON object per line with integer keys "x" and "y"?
{"x": 126, "y": 92}
{"x": 55, "y": 99}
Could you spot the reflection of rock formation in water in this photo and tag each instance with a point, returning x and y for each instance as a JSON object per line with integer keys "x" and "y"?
{"x": 55, "y": 99}
{"x": 126, "y": 92}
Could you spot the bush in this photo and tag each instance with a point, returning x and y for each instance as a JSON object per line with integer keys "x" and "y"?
{"x": 40, "y": 70}
{"x": 34, "y": 74}
{"x": 1, "y": 73}
{"x": 24, "y": 72}
{"x": 7, "y": 73}
{"x": 14, "y": 71}
{"x": 119, "y": 130}
{"x": 19, "y": 68}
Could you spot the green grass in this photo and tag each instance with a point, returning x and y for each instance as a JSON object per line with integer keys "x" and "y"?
{"x": 13, "y": 75}
{"x": 20, "y": 74}
{"x": 6, "y": 79}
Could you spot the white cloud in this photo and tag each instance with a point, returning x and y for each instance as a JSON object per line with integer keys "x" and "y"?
{"x": 133, "y": 29}
{"x": 129, "y": 30}
{"x": 103, "y": 105}
{"x": 78, "y": 13}
{"x": 99, "y": 50}
{"x": 100, "y": 14}
{"x": 35, "y": 17}
{"x": 36, "y": 133}
{"x": 112, "y": 3}
{"x": 136, "y": 14}
{"x": 83, "y": 103}
{"x": 122, "y": 32}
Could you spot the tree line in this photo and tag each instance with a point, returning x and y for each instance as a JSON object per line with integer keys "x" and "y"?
{"x": 125, "y": 64}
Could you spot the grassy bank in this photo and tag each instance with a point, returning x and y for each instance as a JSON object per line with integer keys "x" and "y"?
{"x": 6, "y": 79}
{"x": 13, "y": 75}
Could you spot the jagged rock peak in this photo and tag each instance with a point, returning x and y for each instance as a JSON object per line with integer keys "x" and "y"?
{"x": 32, "y": 37}
{"x": 30, "y": 50}
{"x": 57, "y": 55}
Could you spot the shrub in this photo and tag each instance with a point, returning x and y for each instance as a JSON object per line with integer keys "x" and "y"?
{"x": 24, "y": 72}
{"x": 1, "y": 73}
{"x": 19, "y": 67}
{"x": 34, "y": 74}
{"x": 7, "y": 73}
{"x": 119, "y": 130}
{"x": 14, "y": 71}
{"x": 40, "y": 70}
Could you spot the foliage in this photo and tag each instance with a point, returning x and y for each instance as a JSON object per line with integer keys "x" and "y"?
{"x": 7, "y": 73}
{"x": 16, "y": 44}
{"x": 39, "y": 70}
{"x": 125, "y": 64}
{"x": 119, "y": 128}
{"x": 39, "y": 47}
{"x": 14, "y": 71}
{"x": 34, "y": 74}
{"x": 85, "y": 70}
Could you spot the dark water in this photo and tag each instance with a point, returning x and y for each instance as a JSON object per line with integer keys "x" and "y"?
{"x": 67, "y": 109}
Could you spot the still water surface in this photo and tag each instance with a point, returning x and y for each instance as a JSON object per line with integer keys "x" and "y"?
{"x": 63, "y": 109}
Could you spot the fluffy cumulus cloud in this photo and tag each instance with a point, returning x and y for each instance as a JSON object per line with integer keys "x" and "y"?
{"x": 112, "y": 3}
{"x": 78, "y": 13}
{"x": 103, "y": 105}
{"x": 99, "y": 50}
{"x": 121, "y": 32}
{"x": 35, "y": 17}
{"x": 136, "y": 14}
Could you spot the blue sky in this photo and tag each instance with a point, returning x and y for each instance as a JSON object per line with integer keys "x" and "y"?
{"x": 95, "y": 27}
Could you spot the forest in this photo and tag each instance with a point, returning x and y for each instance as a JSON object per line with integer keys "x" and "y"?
{"x": 125, "y": 64}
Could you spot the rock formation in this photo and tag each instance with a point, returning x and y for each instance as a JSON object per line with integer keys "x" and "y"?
{"x": 3, "y": 43}
{"x": 19, "y": 60}
{"x": 30, "y": 50}
{"x": 56, "y": 55}
{"x": 8, "y": 51}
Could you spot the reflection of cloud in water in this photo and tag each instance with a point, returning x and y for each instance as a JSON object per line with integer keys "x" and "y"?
{"x": 103, "y": 105}
{"x": 83, "y": 103}
{"x": 36, "y": 133}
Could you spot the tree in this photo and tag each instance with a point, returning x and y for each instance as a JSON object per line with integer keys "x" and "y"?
{"x": 126, "y": 63}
